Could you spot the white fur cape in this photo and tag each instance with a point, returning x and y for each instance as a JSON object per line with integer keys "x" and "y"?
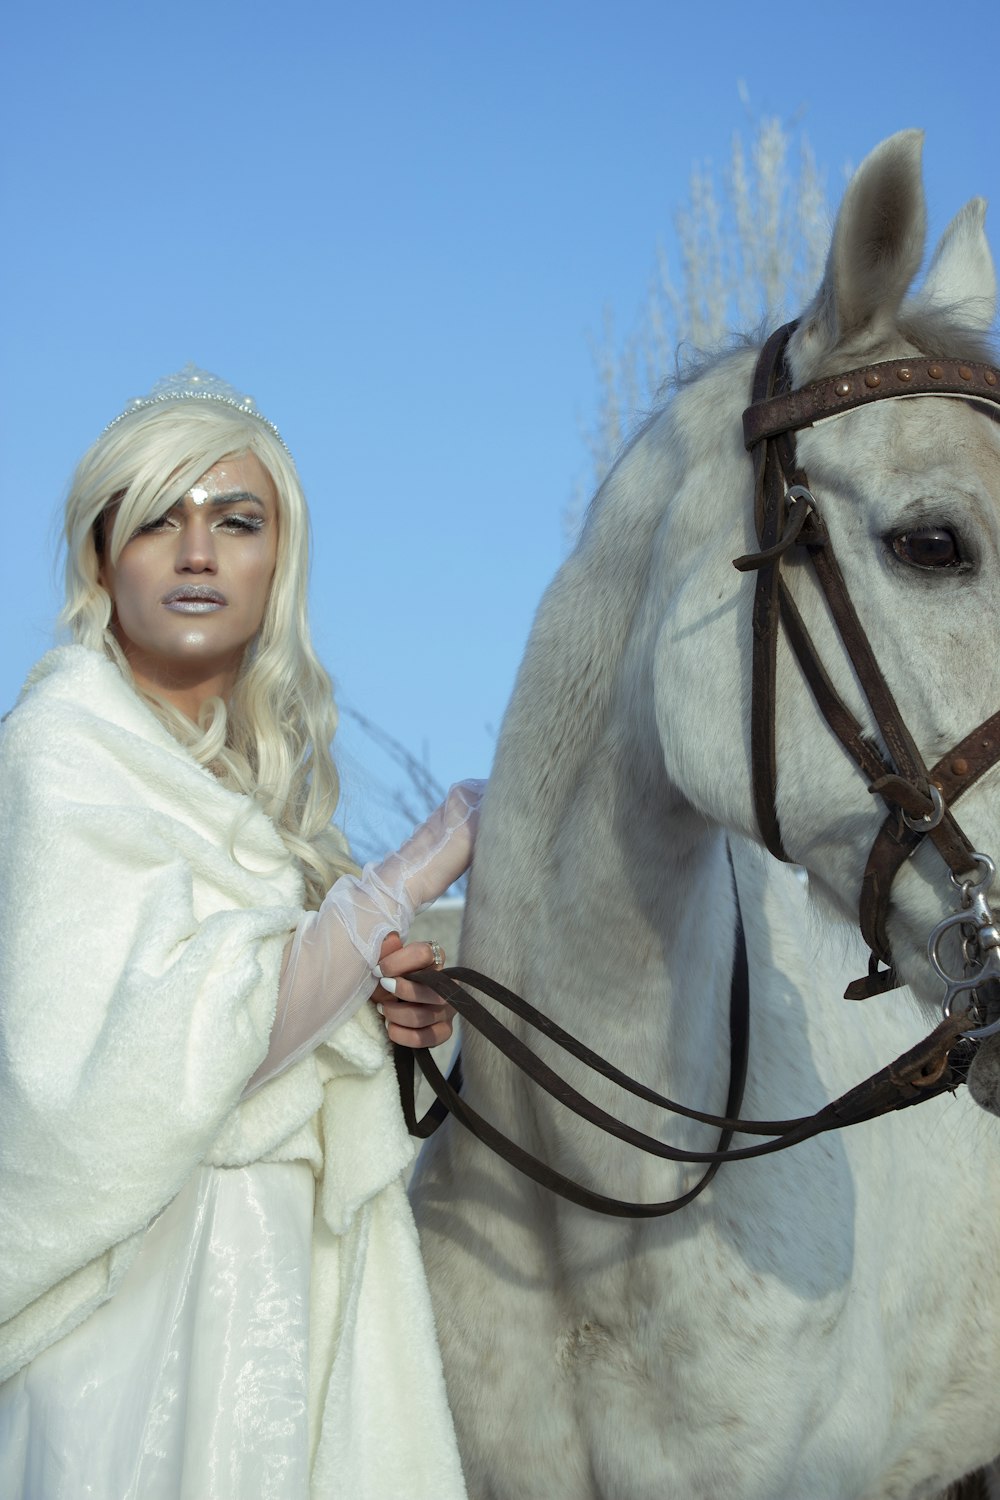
{"x": 143, "y": 913}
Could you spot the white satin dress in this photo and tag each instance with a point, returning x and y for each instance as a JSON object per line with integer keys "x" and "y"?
{"x": 191, "y": 1382}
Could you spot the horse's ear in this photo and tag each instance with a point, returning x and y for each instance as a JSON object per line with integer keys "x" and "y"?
{"x": 961, "y": 279}
{"x": 877, "y": 247}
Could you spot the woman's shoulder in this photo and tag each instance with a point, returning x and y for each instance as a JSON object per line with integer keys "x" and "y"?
{"x": 73, "y": 675}
{"x": 78, "y": 726}
{"x": 73, "y": 693}
{"x": 80, "y": 736}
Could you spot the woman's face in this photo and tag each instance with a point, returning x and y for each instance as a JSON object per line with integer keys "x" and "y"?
{"x": 190, "y": 588}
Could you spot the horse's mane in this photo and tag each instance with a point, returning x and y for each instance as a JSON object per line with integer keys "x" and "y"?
{"x": 691, "y": 364}
{"x": 934, "y": 332}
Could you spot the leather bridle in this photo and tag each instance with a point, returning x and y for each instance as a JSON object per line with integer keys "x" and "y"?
{"x": 918, "y": 800}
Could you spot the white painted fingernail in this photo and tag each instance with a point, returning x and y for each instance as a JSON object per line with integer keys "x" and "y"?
{"x": 388, "y": 984}
{"x": 377, "y": 972}
{"x": 379, "y": 1007}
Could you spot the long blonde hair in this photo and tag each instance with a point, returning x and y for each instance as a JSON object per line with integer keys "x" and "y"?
{"x": 272, "y": 742}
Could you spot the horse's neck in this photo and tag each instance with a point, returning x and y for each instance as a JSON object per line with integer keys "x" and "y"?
{"x": 651, "y": 921}
{"x": 624, "y": 932}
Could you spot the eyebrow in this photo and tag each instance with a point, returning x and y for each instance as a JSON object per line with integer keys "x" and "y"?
{"x": 231, "y": 497}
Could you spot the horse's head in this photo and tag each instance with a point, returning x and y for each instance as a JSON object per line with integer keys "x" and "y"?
{"x": 909, "y": 494}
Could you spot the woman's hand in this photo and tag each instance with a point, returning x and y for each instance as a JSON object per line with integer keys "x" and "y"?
{"x": 414, "y": 1016}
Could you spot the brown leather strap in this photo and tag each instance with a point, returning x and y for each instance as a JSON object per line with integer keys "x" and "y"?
{"x": 769, "y": 505}
{"x": 898, "y": 741}
{"x": 793, "y": 410}
{"x": 911, "y": 776}
{"x": 953, "y": 774}
{"x": 838, "y": 716}
{"x": 903, "y": 780}
{"x": 935, "y": 1065}
{"x": 424, "y": 1127}
{"x": 448, "y": 1099}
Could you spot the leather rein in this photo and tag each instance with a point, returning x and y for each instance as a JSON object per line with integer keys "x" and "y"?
{"x": 918, "y": 800}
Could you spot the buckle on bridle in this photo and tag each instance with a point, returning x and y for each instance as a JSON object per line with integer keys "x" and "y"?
{"x": 800, "y": 505}
{"x": 927, "y": 821}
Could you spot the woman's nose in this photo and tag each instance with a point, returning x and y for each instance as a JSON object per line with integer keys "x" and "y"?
{"x": 196, "y": 547}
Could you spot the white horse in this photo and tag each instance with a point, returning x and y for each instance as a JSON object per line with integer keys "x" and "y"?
{"x": 823, "y": 1323}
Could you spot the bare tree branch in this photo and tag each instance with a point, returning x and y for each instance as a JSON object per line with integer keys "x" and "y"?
{"x": 746, "y": 251}
{"x": 410, "y": 800}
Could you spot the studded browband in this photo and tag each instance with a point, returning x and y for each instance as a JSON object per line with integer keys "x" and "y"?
{"x": 890, "y": 378}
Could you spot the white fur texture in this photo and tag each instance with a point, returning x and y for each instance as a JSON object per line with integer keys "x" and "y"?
{"x": 143, "y": 915}
{"x": 823, "y": 1324}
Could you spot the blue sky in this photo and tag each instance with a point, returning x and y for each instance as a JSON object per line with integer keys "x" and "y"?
{"x": 398, "y": 226}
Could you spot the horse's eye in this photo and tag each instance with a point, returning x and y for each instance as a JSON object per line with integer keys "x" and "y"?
{"x": 930, "y": 547}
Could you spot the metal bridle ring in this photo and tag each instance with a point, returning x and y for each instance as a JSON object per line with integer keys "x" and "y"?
{"x": 929, "y": 820}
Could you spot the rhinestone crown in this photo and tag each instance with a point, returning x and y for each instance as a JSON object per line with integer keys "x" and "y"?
{"x": 193, "y": 384}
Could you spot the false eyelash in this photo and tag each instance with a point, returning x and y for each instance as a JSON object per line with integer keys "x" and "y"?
{"x": 148, "y": 526}
{"x": 244, "y": 523}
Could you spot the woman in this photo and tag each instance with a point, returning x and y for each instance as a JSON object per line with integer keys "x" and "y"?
{"x": 210, "y": 1285}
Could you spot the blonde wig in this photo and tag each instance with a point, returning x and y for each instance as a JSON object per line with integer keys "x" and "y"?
{"x": 273, "y": 739}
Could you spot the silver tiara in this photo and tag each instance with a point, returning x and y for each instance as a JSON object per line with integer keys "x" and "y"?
{"x": 192, "y": 384}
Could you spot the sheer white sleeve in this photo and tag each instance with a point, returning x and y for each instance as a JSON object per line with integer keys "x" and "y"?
{"x": 327, "y": 971}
